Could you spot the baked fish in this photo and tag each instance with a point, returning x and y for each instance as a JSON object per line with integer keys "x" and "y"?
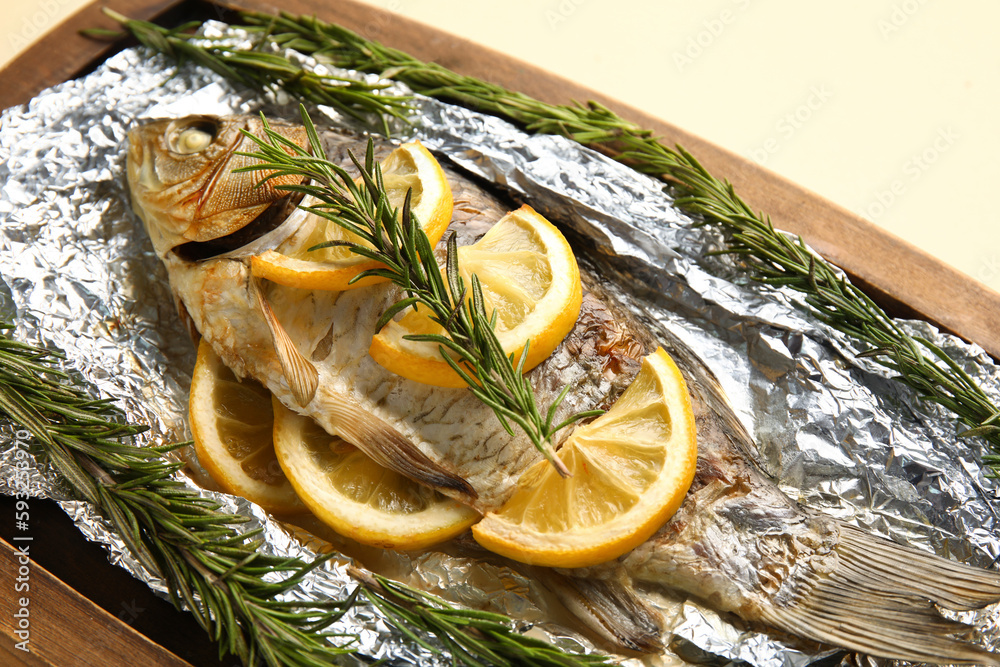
{"x": 737, "y": 544}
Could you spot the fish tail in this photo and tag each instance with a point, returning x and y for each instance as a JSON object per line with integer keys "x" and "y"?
{"x": 882, "y": 599}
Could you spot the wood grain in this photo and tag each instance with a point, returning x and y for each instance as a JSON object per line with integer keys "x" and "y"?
{"x": 111, "y": 588}
{"x": 64, "y": 627}
{"x": 903, "y": 279}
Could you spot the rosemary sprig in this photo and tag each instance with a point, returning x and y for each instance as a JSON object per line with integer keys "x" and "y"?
{"x": 263, "y": 70}
{"x": 396, "y": 240}
{"x": 768, "y": 255}
{"x": 208, "y": 565}
{"x": 472, "y": 638}
{"x": 778, "y": 259}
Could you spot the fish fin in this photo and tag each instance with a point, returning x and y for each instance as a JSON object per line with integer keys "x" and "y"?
{"x": 609, "y": 607}
{"x": 186, "y": 320}
{"x": 882, "y": 598}
{"x": 301, "y": 374}
{"x": 387, "y": 446}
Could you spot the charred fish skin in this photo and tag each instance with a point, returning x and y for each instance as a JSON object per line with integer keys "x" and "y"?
{"x": 737, "y": 543}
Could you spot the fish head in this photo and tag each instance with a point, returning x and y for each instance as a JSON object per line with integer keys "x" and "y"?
{"x": 182, "y": 180}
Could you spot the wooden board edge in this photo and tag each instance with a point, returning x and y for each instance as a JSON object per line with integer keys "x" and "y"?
{"x": 62, "y": 627}
{"x": 905, "y": 280}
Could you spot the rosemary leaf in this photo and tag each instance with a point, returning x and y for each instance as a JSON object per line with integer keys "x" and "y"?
{"x": 473, "y": 637}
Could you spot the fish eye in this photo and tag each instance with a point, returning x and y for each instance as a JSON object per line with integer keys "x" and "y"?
{"x": 192, "y": 137}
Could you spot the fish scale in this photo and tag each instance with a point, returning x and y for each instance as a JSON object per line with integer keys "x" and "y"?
{"x": 737, "y": 543}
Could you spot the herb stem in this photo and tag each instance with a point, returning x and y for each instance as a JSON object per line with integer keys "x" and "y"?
{"x": 263, "y": 70}
{"x": 398, "y": 241}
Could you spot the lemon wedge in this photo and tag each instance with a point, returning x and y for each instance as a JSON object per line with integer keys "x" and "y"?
{"x": 231, "y": 422}
{"x": 409, "y": 167}
{"x": 631, "y": 468}
{"x": 530, "y": 279}
{"x": 357, "y": 497}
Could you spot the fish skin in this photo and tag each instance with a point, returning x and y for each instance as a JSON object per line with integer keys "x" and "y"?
{"x": 737, "y": 543}
{"x": 440, "y": 421}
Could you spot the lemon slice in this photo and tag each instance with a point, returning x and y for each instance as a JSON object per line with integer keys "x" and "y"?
{"x": 631, "y": 468}
{"x": 357, "y": 497}
{"x": 232, "y": 423}
{"x": 531, "y": 280}
{"x": 409, "y": 167}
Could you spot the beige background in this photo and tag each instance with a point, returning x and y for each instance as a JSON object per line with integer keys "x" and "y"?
{"x": 887, "y": 107}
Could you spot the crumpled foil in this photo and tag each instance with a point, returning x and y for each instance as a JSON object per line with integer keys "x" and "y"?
{"x": 834, "y": 431}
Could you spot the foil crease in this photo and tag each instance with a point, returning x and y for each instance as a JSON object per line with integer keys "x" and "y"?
{"x": 835, "y": 432}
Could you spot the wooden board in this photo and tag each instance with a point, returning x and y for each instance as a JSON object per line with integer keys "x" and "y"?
{"x": 126, "y": 605}
{"x": 64, "y": 54}
{"x": 905, "y": 280}
{"x": 52, "y": 619}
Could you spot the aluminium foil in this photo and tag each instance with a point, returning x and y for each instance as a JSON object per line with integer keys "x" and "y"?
{"x": 837, "y": 433}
